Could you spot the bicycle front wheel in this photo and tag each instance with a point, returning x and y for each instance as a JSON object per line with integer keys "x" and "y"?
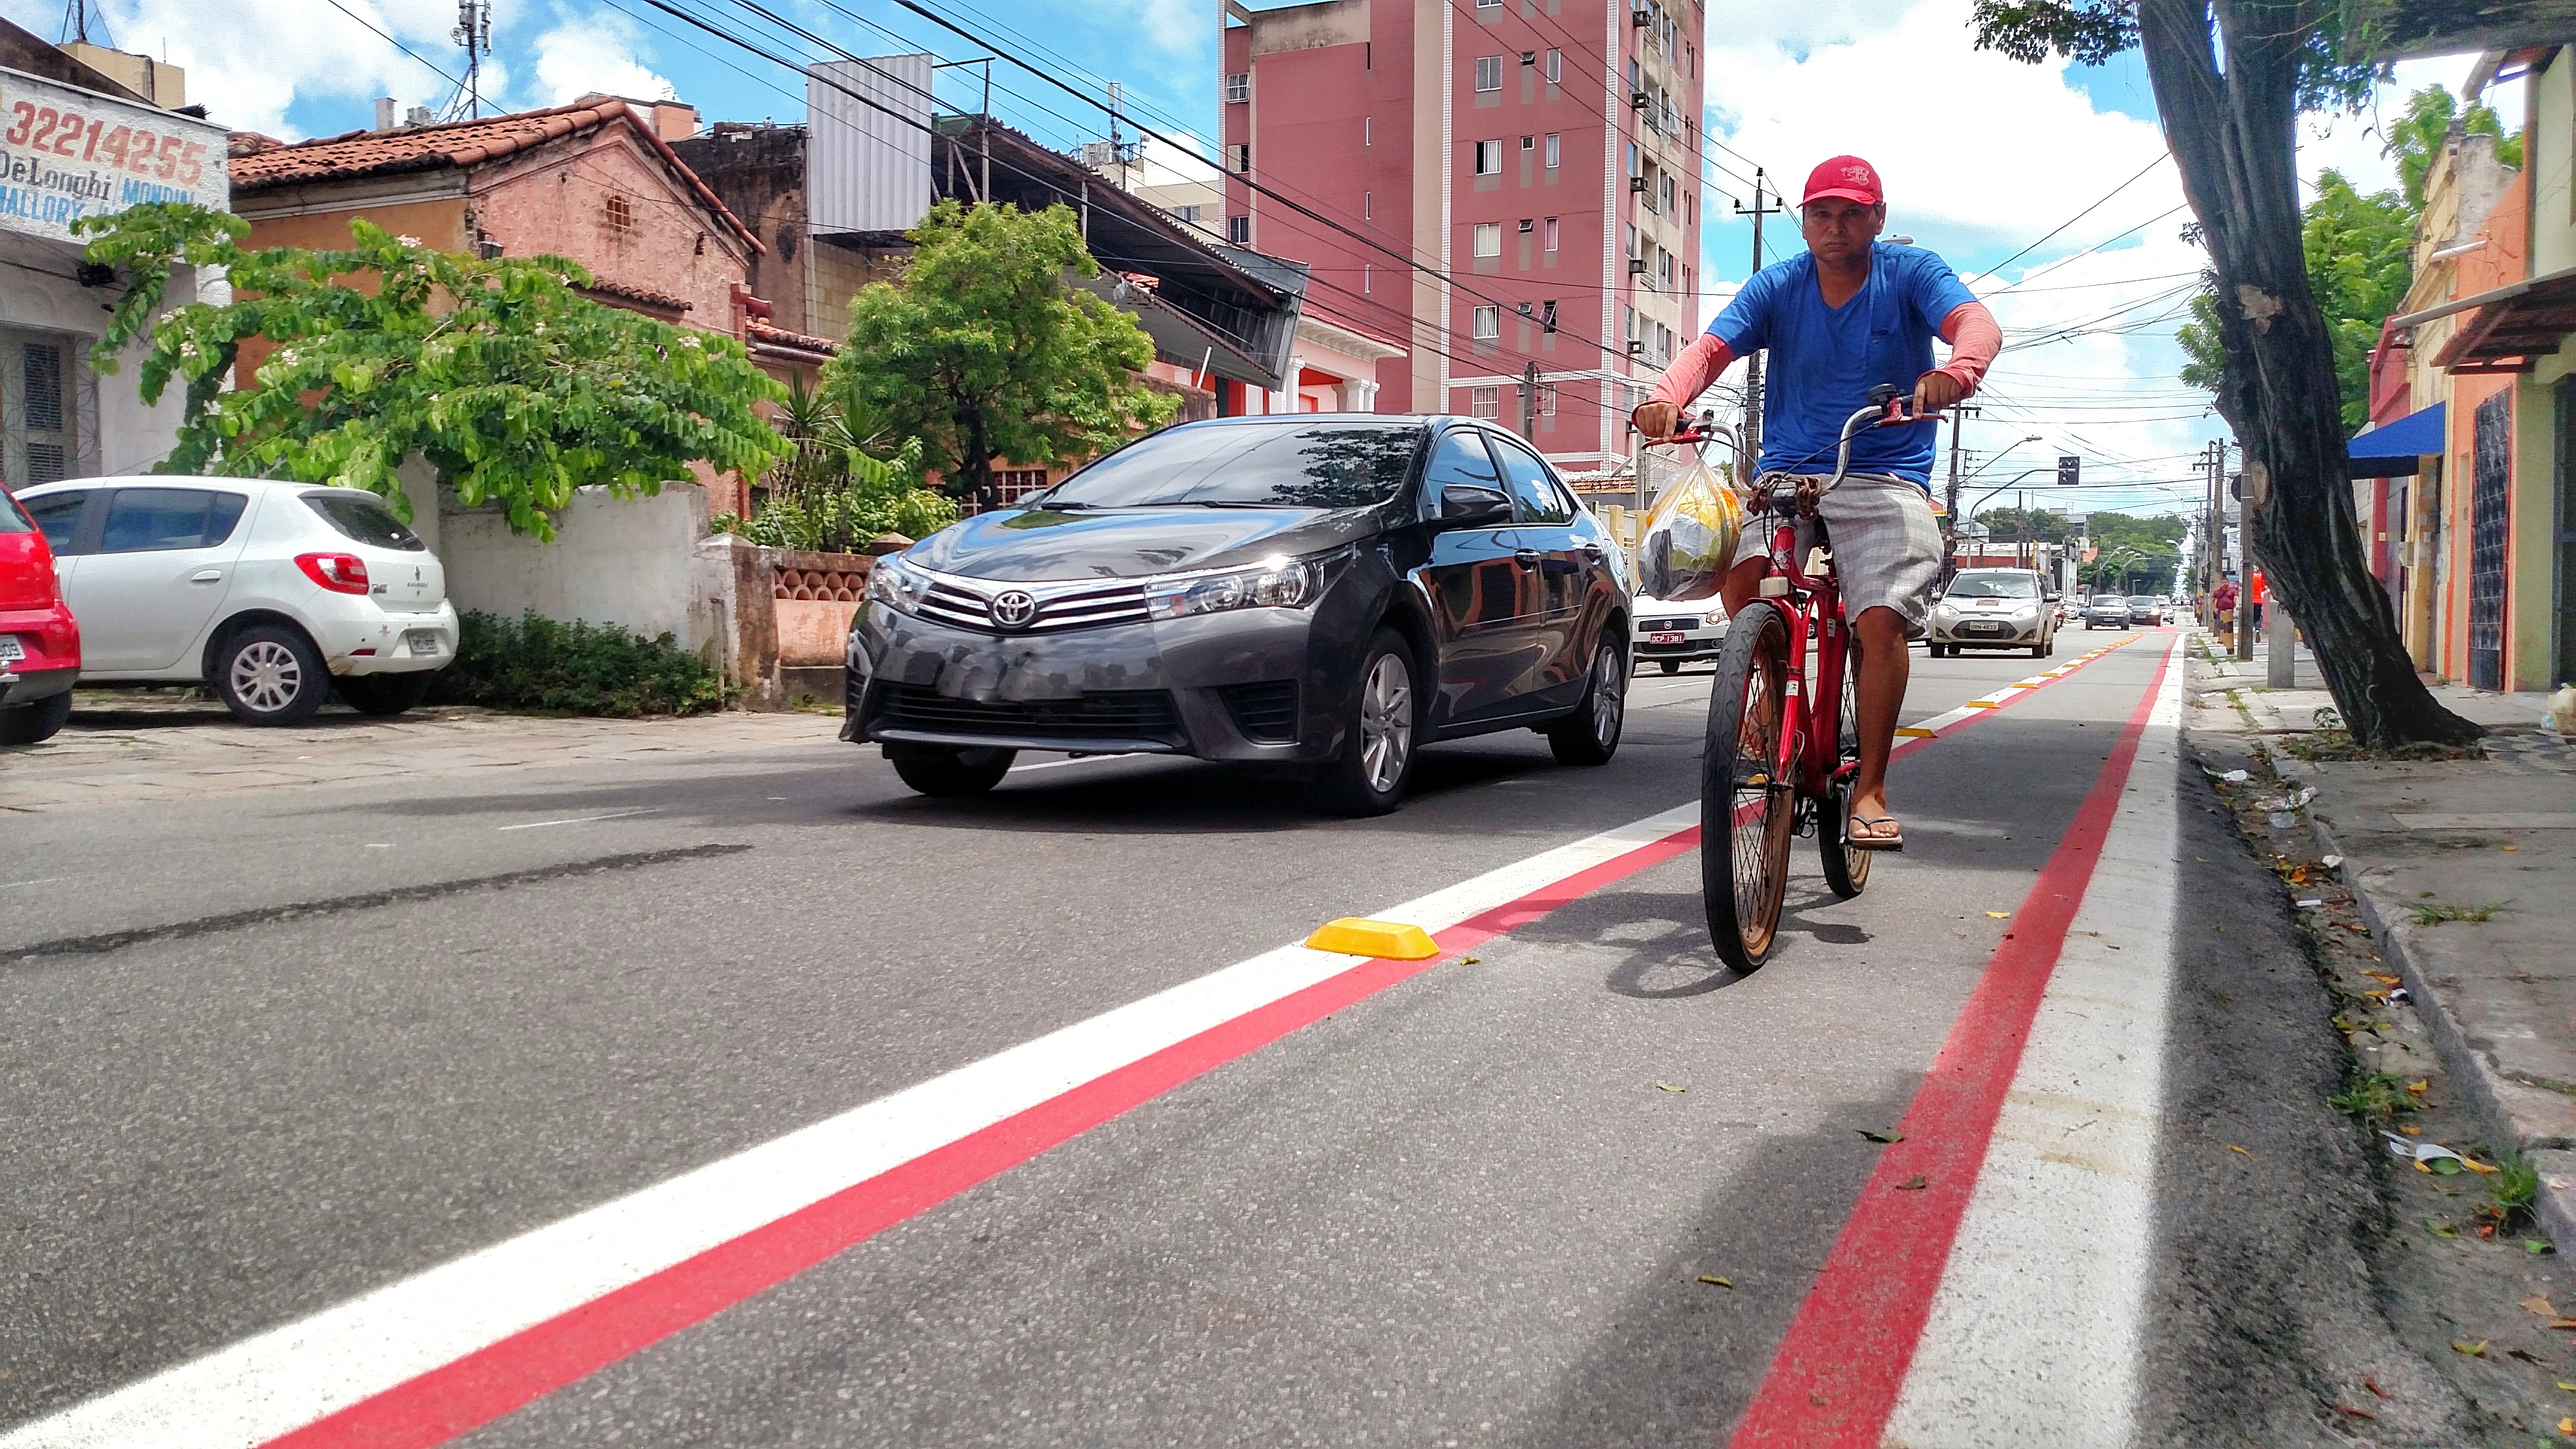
{"x": 1746, "y": 809}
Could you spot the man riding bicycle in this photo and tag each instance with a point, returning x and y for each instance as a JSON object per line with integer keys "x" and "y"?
{"x": 1848, "y": 314}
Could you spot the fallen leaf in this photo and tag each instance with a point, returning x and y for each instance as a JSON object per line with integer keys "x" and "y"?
{"x": 1882, "y": 1136}
{"x": 2373, "y": 1386}
{"x": 1720, "y": 1282}
{"x": 2412, "y": 1131}
{"x": 2000, "y": 915}
{"x": 2445, "y": 1230}
{"x": 2355, "y": 1413}
{"x": 2539, "y": 1303}
{"x": 2232, "y": 1147}
{"x": 2567, "y": 1426}
{"x": 1469, "y": 960}
{"x": 2529, "y": 1358}
{"x": 2473, "y": 1165}
{"x": 2537, "y": 1246}
{"x": 2563, "y": 1323}
{"x": 2422, "y": 1086}
{"x": 2385, "y": 977}
{"x": 1669, "y": 1087}
{"x": 2571, "y": 1388}
{"x": 2512, "y": 847}
{"x": 2474, "y": 1348}
{"x": 1916, "y": 1183}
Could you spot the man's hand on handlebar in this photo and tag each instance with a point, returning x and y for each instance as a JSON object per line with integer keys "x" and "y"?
{"x": 1934, "y": 391}
{"x": 1656, "y": 420}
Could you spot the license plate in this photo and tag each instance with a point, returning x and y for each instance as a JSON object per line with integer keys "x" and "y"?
{"x": 10, "y": 648}
{"x": 1667, "y": 637}
{"x": 421, "y": 641}
{"x": 1981, "y": 626}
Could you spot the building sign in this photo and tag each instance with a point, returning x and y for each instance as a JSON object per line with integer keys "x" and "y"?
{"x": 66, "y": 154}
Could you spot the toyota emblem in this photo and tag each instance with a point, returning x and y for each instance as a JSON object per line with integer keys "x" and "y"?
{"x": 1012, "y": 609}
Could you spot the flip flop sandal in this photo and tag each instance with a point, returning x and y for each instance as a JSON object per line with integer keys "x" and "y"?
{"x": 1874, "y": 842}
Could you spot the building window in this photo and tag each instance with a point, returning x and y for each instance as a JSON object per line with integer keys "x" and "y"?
{"x": 1239, "y": 158}
{"x": 1489, "y": 239}
{"x": 1547, "y": 315}
{"x": 1238, "y": 87}
{"x": 1528, "y": 144}
{"x": 1368, "y": 205}
{"x": 1489, "y": 72}
{"x": 1368, "y": 128}
{"x": 1365, "y": 270}
{"x": 1632, "y": 158}
{"x": 621, "y": 214}
{"x": 1489, "y": 4}
{"x": 1550, "y": 161}
{"x": 1528, "y": 226}
{"x": 1489, "y": 323}
{"x": 1632, "y": 242}
{"x": 1187, "y": 215}
{"x": 1555, "y": 66}
{"x": 1547, "y": 399}
{"x": 1485, "y": 402}
{"x": 1238, "y": 230}
{"x": 1547, "y": 236}
{"x": 1489, "y": 158}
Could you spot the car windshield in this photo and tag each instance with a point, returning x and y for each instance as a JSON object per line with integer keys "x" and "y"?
{"x": 1321, "y": 465}
{"x": 1994, "y": 586}
{"x": 13, "y": 519}
{"x": 363, "y": 518}
{"x": 2141, "y": 601}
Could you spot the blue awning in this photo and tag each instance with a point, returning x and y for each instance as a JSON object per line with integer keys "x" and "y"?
{"x": 2391, "y": 450}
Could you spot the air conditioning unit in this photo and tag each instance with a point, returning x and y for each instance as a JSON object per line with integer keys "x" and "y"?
{"x": 1636, "y": 266}
{"x": 1637, "y": 184}
{"x": 1641, "y": 100}
{"x": 1636, "y": 349}
{"x": 1641, "y": 18}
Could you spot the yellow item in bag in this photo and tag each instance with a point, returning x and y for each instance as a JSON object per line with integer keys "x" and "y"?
{"x": 1690, "y": 537}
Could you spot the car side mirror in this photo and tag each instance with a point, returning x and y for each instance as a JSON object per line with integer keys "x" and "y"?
{"x": 1468, "y": 506}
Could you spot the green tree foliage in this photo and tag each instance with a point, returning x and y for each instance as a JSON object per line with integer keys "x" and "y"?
{"x": 2133, "y": 548}
{"x": 830, "y": 492}
{"x": 2090, "y": 32}
{"x": 983, "y": 351}
{"x": 2359, "y": 249}
{"x": 516, "y": 388}
{"x": 2004, "y": 525}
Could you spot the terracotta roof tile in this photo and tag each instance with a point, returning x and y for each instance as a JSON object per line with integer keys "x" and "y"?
{"x": 457, "y": 144}
{"x": 755, "y": 330}
{"x": 644, "y": 296}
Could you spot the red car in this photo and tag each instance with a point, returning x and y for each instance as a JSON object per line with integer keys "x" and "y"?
{"x": 39, "y": 643}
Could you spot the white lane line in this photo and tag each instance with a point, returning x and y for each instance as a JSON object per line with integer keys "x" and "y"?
{"x": 579, "y": 819}
{"x": 40, "y": 880}
{"x": 290, "y": 1376}
{"x": 2037, "y": 1331}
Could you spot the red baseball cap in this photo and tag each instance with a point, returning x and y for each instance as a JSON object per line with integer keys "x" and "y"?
{"x": 1845, "y": 176}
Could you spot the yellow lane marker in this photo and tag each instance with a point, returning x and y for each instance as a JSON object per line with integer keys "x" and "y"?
{"x": 1389, "y": 940}
{"x": 1915, "y": 732}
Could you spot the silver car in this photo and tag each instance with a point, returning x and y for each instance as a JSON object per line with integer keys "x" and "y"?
{"x": 1994, "y": 609}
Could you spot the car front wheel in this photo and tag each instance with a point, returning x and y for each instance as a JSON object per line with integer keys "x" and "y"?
{"x": 947, "y": 771}
{"x": 1590, "y": 735}
{"x": 1376, "y": 763}
{"x": 270, "y": 674}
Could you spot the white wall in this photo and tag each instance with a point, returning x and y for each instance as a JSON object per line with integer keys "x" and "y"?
{"x": 634, "y": 562}
{"x": 38, "y": 292}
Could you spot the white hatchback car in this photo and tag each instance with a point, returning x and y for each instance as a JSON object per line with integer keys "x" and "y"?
{"x": 271, "y": 593}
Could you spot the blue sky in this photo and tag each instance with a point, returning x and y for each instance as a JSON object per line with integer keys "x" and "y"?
{"x": 1983, "y": 157}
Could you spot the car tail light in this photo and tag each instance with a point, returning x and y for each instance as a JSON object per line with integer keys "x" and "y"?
{"x": 341, "y": 573}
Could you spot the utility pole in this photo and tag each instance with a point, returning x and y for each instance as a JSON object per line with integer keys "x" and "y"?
{"x": 1753, "y": 364}
{"x": 1959, "y": 415}
{"x": 474, "y": 32}
{"x": 1529, "y": 401}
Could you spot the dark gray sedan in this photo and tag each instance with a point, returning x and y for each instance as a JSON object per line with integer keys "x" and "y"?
{"x": 1314, "y": 595}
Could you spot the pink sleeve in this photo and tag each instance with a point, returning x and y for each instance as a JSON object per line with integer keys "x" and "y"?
{"x": 1695, "y": 369}
{"x": 1974, "y": 340}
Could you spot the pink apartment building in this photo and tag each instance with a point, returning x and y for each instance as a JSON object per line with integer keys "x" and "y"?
{"x": 1538, "y": 160}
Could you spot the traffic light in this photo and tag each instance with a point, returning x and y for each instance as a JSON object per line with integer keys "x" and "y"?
{"x": 2069, "y": 467}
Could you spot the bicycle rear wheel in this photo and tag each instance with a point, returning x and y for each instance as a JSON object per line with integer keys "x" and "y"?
{"x": 1846, "y": 869}
{"x": 1746, "y": 812}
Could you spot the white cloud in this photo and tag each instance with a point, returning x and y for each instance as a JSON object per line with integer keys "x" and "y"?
{"x": 1975, "y": 148}
{"x": 594, "y": 54}
{"x": 249, "y": 60}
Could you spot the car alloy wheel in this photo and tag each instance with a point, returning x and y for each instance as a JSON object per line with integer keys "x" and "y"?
{"x": 1386, "y": 722}
{"x": 266, "y": 676}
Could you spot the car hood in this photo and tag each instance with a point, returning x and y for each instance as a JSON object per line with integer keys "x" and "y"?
{"x": 1045, "y": 546}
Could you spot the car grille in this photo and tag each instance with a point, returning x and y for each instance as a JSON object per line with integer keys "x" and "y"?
{"x": 1126, "y": 714}
{"x": 1076, "y": 607}
{"x": 1664, "y": 625}
{"x": 1266, "y": 713}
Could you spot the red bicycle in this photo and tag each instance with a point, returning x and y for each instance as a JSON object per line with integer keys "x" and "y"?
{"x": 1767, "y": 774}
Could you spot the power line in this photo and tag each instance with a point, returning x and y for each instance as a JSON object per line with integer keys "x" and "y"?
{"x": 396, "y": 44}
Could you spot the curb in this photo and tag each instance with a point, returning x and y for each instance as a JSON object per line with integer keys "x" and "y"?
{"x": 2555, "y": 1205}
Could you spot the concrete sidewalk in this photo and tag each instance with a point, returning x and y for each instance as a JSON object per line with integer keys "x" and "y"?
{"x": 2465, "y": 870}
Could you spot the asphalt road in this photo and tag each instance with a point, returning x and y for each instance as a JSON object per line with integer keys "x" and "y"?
{"x": 269, "y": 1053}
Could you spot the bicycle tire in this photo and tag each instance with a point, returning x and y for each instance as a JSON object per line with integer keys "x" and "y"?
{"x": 1746, "y": 814}
{"x": 1846, "y": 869}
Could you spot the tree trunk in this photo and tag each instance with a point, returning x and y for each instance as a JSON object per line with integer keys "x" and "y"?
{"x": 2234, "y": 140}
{"x": 975, "y": 470}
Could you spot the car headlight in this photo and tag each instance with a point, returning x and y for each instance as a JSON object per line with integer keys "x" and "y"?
{"x": 1713, "y": 618}
{"x": 1945, "y": 610}
{"x": 893, "y": 584}
{"x": 1273, "y": 583}
{"x": 2027, "y": 611}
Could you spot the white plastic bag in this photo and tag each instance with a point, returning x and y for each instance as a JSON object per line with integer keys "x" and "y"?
{"x": 1690, "y": 537}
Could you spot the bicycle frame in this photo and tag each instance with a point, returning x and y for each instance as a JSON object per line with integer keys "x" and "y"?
{"x": 1812, "y": 605}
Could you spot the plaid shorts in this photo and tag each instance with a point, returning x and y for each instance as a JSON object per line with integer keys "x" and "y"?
{"x": 1886, "y": 548}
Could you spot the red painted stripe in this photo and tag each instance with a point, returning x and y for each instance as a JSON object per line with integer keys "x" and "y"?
{"x": 1909, "y": 745}
{"x": 1840, "y": 1366}
{"x": 481, "y": 1387}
